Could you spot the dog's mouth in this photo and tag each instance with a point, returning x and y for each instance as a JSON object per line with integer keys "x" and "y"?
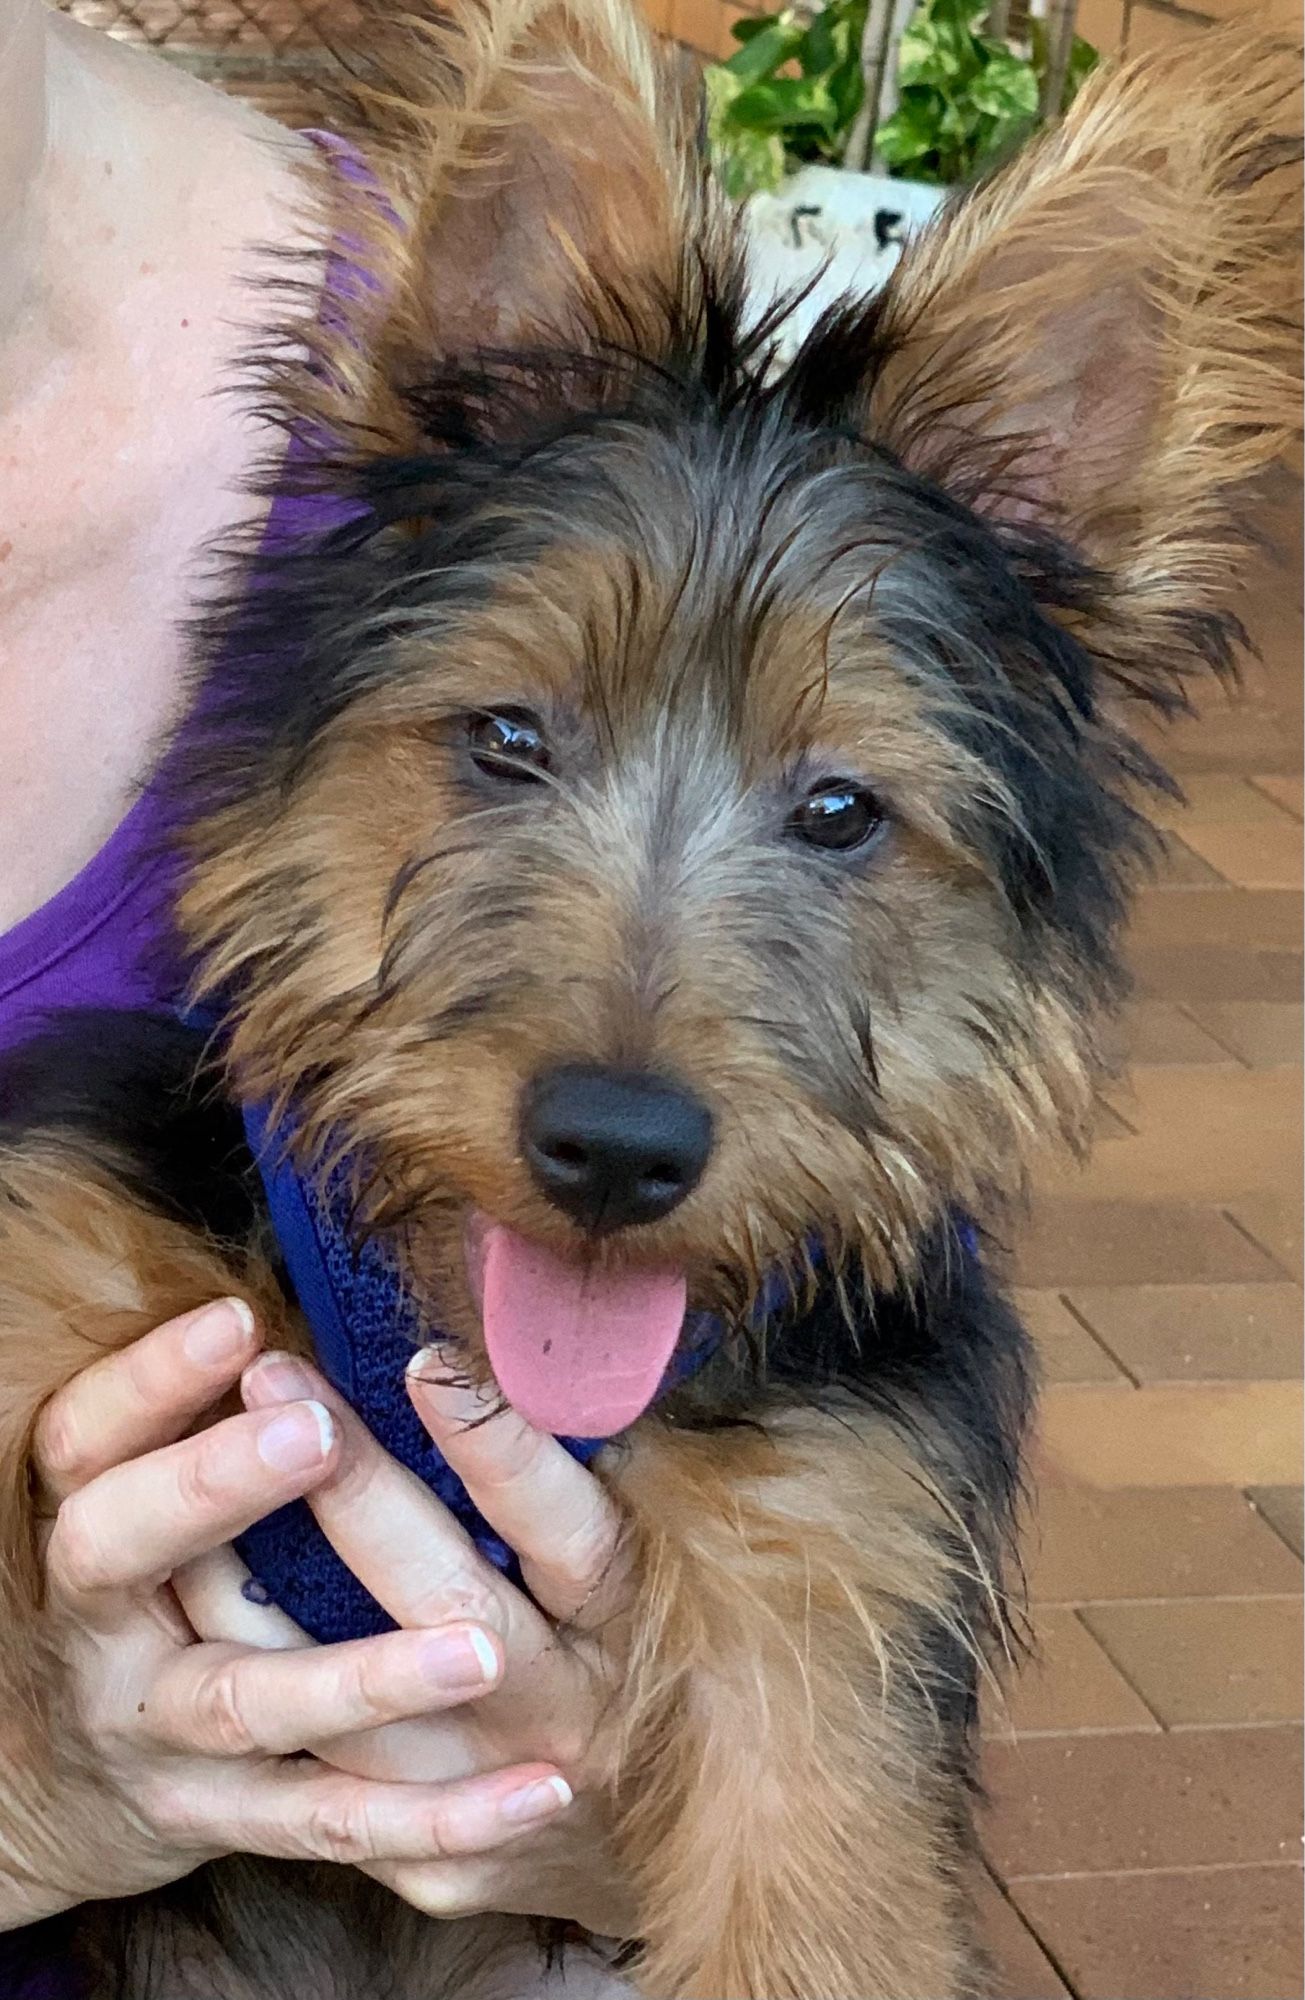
{"x": 577, "y": 1350}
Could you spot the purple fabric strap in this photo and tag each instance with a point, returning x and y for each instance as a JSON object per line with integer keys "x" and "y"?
{"x": 98, "y": 942}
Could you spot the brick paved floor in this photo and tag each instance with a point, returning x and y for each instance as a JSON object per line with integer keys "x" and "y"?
{"x": 1144, "y": 1835}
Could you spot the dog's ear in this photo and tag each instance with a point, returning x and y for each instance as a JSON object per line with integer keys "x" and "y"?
{"x": 543, "y": 164}
{"x": 1100, "y": 339}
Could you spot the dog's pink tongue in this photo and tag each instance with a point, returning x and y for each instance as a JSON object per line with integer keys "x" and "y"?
{"x": 577, "y": 1353}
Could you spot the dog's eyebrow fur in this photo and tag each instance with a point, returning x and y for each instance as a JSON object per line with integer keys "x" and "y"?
{"x": 718, "y": 482}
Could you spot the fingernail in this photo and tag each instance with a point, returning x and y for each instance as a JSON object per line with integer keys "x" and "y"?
{"x": 440, "y": 1375}
{"x": 219, "y": 1334}
{"x": 281, "y": 1379}
{"x": 297, "y": 1439}
{"x": 463, "y": 1659}
{"x": 538, "y": 1800}
{"x": 431, "y": 1361}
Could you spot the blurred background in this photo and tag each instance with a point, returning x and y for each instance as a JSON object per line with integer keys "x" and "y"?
{"x": 263, "y": 46}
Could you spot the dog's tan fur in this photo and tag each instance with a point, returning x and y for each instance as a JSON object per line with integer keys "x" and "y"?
{"x": 782, "y": 1582}
{"x": 1108, "y": 335}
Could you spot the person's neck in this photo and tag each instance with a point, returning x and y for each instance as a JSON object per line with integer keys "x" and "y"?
{"x": 23, "y": 117}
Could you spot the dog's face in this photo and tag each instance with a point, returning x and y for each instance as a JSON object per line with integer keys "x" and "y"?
{"x": 693, "y": 832}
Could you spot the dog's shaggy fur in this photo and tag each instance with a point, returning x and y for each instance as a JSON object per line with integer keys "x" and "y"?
{"x": 934, "y": 559}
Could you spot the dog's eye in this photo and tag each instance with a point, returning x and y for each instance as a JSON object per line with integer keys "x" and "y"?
{"x": 508, "y": 745}
{"x": 837, "y": 816}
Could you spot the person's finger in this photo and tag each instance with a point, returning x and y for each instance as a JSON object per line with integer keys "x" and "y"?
{"x": 302, "y": 1810}
{"x": 222, "y": 1601}
{"x": 560, "y": 1520}
{"x": 144, "y": 1396}
{"x": 428, "y": 1750}
{"x": 520, "y": 1881}
{"x": 225, "y": 1701}
{"x": 465, "y": 1887}
{"x": 133, "y": 1525}
{"x": 392, "y": 1532}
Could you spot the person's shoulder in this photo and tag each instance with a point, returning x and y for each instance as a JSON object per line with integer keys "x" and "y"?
{"x": 219, "y": 139}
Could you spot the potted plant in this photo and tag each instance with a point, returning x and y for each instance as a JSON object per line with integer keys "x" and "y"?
{"x": 843, "y": 126}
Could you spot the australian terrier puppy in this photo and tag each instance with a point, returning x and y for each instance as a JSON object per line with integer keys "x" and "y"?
{"x": 675, "y": 829}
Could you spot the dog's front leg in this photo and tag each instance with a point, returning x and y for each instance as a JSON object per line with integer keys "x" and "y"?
{"x": 791, "y": 1808}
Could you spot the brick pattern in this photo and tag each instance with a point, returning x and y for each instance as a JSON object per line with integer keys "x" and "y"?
{"x": 1144, "y": 1769}
{"x": 1171, "y": 1934}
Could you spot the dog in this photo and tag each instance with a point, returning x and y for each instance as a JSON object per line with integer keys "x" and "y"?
{"x": 675, "y": 829}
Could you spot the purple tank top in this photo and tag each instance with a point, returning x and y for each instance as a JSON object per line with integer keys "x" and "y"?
{"x": 106, "y": 940}
{"x": 99, "y": 942}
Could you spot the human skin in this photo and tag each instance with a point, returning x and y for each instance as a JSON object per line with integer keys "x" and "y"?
{"x": 440, "y": 1747}
{"x": 128, "y": 196}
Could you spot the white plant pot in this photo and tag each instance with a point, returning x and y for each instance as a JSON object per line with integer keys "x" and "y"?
{"x": 841, "y": 229}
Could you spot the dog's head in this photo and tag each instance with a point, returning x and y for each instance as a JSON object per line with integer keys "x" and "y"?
{"x": 690, "y": 816}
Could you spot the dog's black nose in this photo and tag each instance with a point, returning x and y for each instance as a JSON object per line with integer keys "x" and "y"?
{"x": 612, "y": 1148}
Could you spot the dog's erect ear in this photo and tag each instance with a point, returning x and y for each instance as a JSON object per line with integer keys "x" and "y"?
{"x": 543, "y": 159}
{"x": 1100, "y": 339}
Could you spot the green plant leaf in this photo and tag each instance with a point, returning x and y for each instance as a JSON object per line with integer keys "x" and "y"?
{"x": 964, "y": 95}
{"x": 847, "y": 88}
{"x": 966, "y": 14}
{"x": 912, "y": 131}
{"x": 833, "y": 37}
{"x": 746, "y": 161}
{"x": 751, "y": 163}
{"x": 762, "y": 54}
{"x": 785, "y": 104}
{"x": 931, "y": 55}
{"x": 959, "y": 122}
{"x": 749, "y": 26}
{"x": 1083, "y": 59}
{"x": 721, "y": 87}
{"x": 1005, "y": 87}
{"x": 944, "y": 54}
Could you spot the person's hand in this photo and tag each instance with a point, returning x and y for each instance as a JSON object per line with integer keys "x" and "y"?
{"x": 152, "y": 1751}
{"x": 558, "y": 1665}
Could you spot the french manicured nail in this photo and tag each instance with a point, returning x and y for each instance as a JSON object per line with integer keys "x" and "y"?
{"x": 297, "y": 1439}
{"x": 430, "y": 1365}
{"x": 463, "y": 1659}
{"x": 219, "y": 1334}
{"x": 434, "y": 1372}
{"x": 282, "y": 1379}
{"x": 538, "y": 1800}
